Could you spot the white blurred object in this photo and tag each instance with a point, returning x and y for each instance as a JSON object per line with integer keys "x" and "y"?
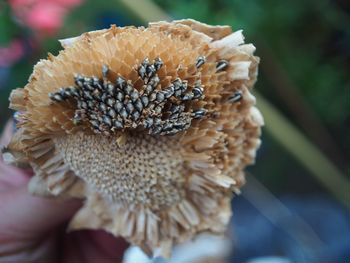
{"x": 135, "y": 254}
{"x": 203, "y": 247}
{"x": 270, "y": 259}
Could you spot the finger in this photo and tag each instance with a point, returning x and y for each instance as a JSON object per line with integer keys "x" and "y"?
{"x": 93, "y": 246}
{"x": 6, "y": 134}
{"x": 22, "y": 213}
{"x": 27, "y": 216}
{"x": 10, "y": 176}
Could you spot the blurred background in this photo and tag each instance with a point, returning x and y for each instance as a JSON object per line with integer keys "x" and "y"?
{"x": 295, "y": 206}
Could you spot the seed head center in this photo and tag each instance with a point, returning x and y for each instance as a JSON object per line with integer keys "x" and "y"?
{"x": 144, "y": 170}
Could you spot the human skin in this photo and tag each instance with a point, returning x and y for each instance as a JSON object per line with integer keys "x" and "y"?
{"x": 33, "y": 229}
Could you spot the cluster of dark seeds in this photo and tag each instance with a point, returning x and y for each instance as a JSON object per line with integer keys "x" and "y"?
{"x": 113, "y": 106}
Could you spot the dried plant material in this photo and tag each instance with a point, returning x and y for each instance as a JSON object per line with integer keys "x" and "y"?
{"x": 152, "y": 126}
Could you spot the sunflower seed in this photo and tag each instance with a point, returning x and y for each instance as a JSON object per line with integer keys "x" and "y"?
{"x": 145, "y": 101}
{"x": 138, "y": 105}
{"x": 123, "y": 113}
{"x": 107, "y": 120}
{"x": 237, "y": 96}
{"x": 142, "y": 72}
{"x": 200, "y": 61}
{"x": 160, "y": 96}
{"x": 112, "y": 113}
{"x": 197, "y": 92}
{"x": 120, "y": 82}
{"x": 118, "y": 124}
{"x": 129, "y": 107}
{"x": 105, "y": 71}
{"x": 199, "y": 113}
{"x": 135, "y": 115}
{"x": 158, "y": 63}
{"x": 118, "y": 106}
{"x": 221, "y": 65}
{"x": 120, "y": 96}
{"x": 134, "y": 95}
{"x": 55, "y": 97}
{"x": 110, "y": 102}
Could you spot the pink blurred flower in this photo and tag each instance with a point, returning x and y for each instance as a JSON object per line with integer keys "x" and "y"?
{"x": 11, "y": 54}
{"x": 43, "y": 16}
{"x": 46, "y": 17}
{"x": 18, "y": 3}
{"x": 68, "y": 3}
{"x": 64, "y": 3}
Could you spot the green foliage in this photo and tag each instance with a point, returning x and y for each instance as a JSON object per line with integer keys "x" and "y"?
{"x": 8, "y": 28}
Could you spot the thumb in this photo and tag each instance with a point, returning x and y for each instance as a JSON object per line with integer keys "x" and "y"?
{"x": 27, "y": 216}
{"x": 27, "y": 224}
{"x": 24, "y": 215}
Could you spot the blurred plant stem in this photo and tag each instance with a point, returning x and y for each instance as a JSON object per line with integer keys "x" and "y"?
{"x": 301, "y": 111}
{"x": 304, "y": 151}
{"x": 276, "y": 124}
{"x": 147, "y": 11}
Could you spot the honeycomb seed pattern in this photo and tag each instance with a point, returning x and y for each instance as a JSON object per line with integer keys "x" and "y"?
{"x": 110, "y": 107}
{"x": 145, "y": 170}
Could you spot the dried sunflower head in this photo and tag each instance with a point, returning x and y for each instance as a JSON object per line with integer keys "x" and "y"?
{"x": 152, "y": 126}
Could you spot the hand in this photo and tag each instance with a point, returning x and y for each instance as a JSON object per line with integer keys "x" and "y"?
{"x": 32, "y": 229}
